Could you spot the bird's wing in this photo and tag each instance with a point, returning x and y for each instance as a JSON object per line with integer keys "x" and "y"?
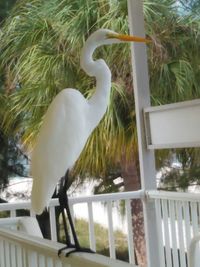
{"x": 60, "y": 141}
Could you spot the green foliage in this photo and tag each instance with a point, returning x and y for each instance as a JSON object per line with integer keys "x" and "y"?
{"x": 4, "y": 214}
{"x": 190, "y": 6}
{"x": 184, "y": 173}
{"x": 12, "y": 159}
{"x": 5, "y": 7}
{"x": 40, "y": 47}
{"x": 174, "y": 71}
{"x": 101, "y": 234}
{"x": 42, "y": 54}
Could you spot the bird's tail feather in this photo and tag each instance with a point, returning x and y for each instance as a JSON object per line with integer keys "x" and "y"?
{"x": 40, "y": 196}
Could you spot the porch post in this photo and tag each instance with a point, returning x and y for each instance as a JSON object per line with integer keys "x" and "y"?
{"x": 142, "y": 100}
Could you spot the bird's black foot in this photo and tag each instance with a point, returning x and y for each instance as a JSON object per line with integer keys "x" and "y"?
{"x": 74, "y": 250}
{"x": 65, "y": 247}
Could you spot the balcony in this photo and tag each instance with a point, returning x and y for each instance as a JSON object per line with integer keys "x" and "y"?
{"x": 177, "y": 223}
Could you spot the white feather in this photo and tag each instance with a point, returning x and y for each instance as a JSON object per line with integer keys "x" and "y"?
{"x": 62, "y": 137}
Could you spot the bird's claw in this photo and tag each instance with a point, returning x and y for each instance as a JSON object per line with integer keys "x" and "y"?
{"x": 86, "y": 250}
{"x": 61, "y": 249}
{"x": 74, "y": 250}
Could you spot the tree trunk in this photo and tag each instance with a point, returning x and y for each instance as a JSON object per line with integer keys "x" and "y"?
{"x": 130, "y": 174}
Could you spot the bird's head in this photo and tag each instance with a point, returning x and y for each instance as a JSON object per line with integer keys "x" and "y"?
{"x": 99, "y": 38}
{"x": 104, "y": 37}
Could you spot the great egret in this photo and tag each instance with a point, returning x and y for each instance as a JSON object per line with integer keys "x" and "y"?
{"x": 69, "y": 121}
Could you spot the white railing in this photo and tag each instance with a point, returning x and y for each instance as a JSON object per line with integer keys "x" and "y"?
{"x": 178, "y": 221}
{"x": 107, "y": 199}
{"x": 177, "y": 218}
{"x": 18, "y": 249}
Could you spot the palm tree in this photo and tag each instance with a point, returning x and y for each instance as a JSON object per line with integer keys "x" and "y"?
{"x": 9, "y": 153}
{"x": 40, "y": 46}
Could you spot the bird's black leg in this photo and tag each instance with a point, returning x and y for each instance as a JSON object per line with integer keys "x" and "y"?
{"x": 64, "y": 205}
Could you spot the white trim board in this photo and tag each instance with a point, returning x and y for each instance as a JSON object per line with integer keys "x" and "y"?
{"x": 173, "y": 125}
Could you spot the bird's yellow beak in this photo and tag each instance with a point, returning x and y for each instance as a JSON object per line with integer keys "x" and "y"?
{"x": 129, "y": 38}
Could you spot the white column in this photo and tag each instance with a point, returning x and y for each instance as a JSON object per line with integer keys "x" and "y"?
{"x": 142, "y": 100}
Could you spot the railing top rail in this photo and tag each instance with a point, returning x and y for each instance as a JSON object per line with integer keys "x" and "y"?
{"x": 50, "y": 248}
{"x": 105, "y": 197}
{"x": 39, "y": 244}
{"x": 15, "y": 206}
{"x": 178, "y": 196}
{"x": 74, "y": 200}
{"x": 140, "y": 194}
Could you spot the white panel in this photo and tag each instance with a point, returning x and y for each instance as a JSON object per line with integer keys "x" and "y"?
{"x": 173, "y": 125}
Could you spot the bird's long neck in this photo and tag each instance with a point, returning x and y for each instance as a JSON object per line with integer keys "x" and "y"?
{"x": 99, "y": 69}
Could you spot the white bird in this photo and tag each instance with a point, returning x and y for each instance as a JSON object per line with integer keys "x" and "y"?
{"x": 69, "y": 121}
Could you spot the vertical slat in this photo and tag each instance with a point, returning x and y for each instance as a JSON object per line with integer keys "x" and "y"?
{"x": 167, "y": 234}
{"x": 72, "y": 212}
{"x": 37, "y": 259}
{"x": 32, "y": 213}
{"x": 25, "y": 257}
{"x": 19, "y": 256}
{"x": 160, "y": 232}
{"x": 45, "y": 261}
{"x": 173, "y": 233}
{"x": 12, "y": 213}
{"x": 180, "y": 233}
{"x": 91, "y": 227}
{"x": 110, "y": 231}
{"x": 186, "y": 209}
{"x": 2, "y": 253}
{"x": 13, "y": 255}
{"x": 53, "y": 223}
{"x": 41, "y": 260}
{"x": 130, "y": 232}
{"x": 7, "y": 254}
{"x": 57, "y": 263}
{"x": 26, "y": 262}
{"x": 32, "y": 258}
{"x": 194, "y": 218}
{"x": 49, "y": 262}
{"x": 198, "y": 212}
{"x": 73, "y": 220}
